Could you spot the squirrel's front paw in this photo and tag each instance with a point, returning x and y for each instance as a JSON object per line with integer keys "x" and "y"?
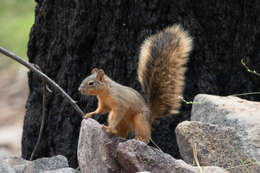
{"x": 88, "y": 115}
{"x": 108, "y": 129}
{"x": 105, "y": 127}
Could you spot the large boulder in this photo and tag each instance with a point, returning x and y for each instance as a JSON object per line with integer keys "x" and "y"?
{"x": 214, "y": 145}
{"x": 239, "y": 114}
{"x": 225, "y": 131}
{"x": 102, "y": 152}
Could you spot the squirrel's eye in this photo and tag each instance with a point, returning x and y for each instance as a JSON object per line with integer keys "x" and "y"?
{"x": 90, "y": 83}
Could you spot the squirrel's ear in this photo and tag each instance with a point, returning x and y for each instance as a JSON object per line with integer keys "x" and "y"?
{"x": 100, "y": 75}
{"x": 94, "y": 70}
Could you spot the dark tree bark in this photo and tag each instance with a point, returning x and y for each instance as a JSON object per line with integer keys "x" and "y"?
{"x": 70, "y": 37}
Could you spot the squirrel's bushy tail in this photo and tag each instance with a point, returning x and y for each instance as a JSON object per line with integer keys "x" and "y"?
{"x": 161, "y": 69}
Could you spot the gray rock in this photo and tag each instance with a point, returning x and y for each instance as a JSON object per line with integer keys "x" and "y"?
{"x": 240, "y": 114}
{"x": 136, "y": 156}
{"x": 4, "y": 154}
{"x": 96, "y": 149}
{"x": 5, "y": 168}
{"x": 19, "y": 165}
{"x": 44, "y": 164}
{"x": 63, "y": 170}
{"x": 215, "y": 145}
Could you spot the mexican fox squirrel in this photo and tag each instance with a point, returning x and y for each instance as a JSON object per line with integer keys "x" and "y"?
{"x": 161, "y": 70}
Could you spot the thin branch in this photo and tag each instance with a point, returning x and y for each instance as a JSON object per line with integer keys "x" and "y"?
{"x": 41, "y": 74}
{"x": 155, "y": 144}
{"x": 195, "y": 155}
{"x": 43, "y": 118}
{"x": 245, "y": 94}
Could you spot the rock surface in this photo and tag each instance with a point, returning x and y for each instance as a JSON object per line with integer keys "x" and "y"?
{"x": 240, "y": 114}
{"x": 4, "y": 154}
{"x": 63, "y": 170}
{"x": 136, "y": 156}
{"x": 94, "y": 152}
{"x": 48, "y": 164}
{"x": 215, "y": 145}
{"x": 101, "y": 152}
{"x": 57, "y": 164}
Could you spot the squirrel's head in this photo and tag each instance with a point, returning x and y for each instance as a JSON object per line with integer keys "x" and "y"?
{"x": 93, "y": 84}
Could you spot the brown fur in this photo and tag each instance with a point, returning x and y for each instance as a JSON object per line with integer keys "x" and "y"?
{"x": 162, "y": 67}
{"x": 161, "y": 74}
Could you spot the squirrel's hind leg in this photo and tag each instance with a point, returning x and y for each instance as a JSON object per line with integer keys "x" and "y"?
{"x": 142, "y": 129}
{"x": 114, "y": 118}
{"x": 123, "y": 129}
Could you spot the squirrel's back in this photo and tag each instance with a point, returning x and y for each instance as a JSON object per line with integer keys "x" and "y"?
{"x": 161, "y": 69}
{"x": 125, "y": 95}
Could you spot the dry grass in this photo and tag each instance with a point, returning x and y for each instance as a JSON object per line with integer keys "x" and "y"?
{"x": 246, "y": 166}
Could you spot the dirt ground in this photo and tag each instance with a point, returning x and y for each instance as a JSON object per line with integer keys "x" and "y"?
{"x": 13, "y": 95}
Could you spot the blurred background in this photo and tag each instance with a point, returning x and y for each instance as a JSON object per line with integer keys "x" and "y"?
{"x": 16, "y": 19}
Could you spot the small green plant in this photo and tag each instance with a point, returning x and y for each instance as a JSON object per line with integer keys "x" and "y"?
{"x": 248, "y": 69}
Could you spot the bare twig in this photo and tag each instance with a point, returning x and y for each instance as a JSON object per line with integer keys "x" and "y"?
{"x": 155, "y": 144}
{"x": 43, "y": 118}
{"x": 41, "y": 74}
{"x": 245, "y": 94}
{"x": 195, "y": 155}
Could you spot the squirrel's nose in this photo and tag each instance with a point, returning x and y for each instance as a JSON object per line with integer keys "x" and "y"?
{"x": 80, "y": 89}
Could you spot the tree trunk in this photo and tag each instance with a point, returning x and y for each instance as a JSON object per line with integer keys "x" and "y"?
{"x": 70, "y": 37}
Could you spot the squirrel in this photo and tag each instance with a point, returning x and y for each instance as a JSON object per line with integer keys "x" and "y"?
{"x": 161, "y": 73}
